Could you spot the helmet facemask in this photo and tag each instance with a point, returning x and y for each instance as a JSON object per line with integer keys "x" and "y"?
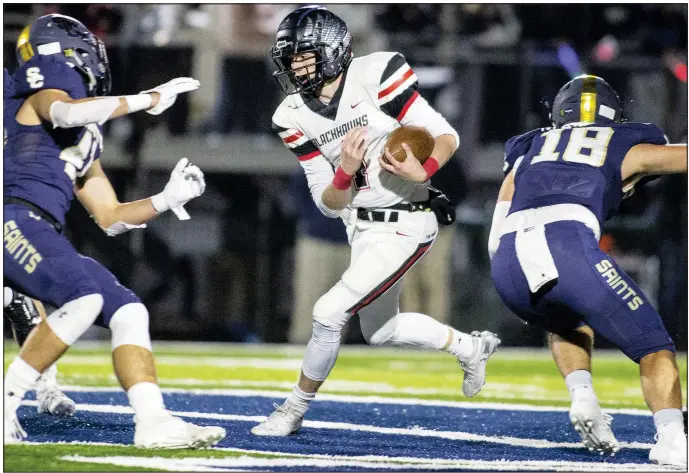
{"x": 315, "y": 31}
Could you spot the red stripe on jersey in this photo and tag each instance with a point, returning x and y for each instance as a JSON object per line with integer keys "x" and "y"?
{"x": 407, "y": 105}
{"x": 311, "y": 155}
{"x": 395, "y": 84}
{"x": 293, "y": 137}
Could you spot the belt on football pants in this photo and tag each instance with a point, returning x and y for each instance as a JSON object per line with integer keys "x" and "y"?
{"x": 389, "y": 214}
{"x": 35, "y": 209}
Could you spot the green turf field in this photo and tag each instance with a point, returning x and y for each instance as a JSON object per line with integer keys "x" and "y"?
{"x": 514, "y": 376}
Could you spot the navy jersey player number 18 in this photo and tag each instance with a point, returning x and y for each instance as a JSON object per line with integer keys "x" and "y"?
{"x": 562, "y": 183}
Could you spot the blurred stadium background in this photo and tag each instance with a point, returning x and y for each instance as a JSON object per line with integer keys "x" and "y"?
{"x": 245, "y": 267}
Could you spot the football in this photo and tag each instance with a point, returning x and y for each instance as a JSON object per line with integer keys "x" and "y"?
{"x": 419, "y": 140}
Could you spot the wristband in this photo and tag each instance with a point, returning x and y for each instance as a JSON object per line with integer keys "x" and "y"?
{"x": 138, "y": 102}
{"x": 342, "y": 180}
{"x": 431, "y": 166}
{"x": 159, "y": 203}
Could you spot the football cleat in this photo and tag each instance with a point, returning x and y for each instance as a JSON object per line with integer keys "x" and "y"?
{"x": 670, "y": 448}
{"x": 593, "y": 426}
{"x": 485, "y": 344}
{"x": 14, "y": 433}
{"x": 55, "y": 402}
{"x": 168, "y": 432}
{"x": 282, "y": 422}
{"x": 51, "y": 400}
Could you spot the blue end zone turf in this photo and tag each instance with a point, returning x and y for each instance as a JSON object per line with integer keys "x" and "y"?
{"x": 534, "y": 425}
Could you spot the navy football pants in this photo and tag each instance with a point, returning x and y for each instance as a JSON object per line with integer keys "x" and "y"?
{"x": 43, "y": 264}
{"x": 591, "y": 288}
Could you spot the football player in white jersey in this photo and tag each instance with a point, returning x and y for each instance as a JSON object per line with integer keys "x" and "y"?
{"x": 336, "y": 119}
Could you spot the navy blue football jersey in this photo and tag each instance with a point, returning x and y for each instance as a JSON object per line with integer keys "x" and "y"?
{"x": 574, "y": 164}
{"x": 41, "y": 163}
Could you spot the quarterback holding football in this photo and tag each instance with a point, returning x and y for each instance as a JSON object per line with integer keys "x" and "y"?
{"x": 336, "y": 118}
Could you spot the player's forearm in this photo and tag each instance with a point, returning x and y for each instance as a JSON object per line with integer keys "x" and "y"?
{"x": 96, "y": 110}
{"x": 336, "y": 199}
{"x": 137, "y": 212}
{"x": 445, "y": 146}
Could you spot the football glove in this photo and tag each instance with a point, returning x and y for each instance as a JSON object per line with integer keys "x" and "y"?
{"x": 441, "y": 206}
{"x": 169, "y": 91}
{"x": 186, "y": 182}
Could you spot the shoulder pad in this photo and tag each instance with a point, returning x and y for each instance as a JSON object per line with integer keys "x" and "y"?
{"x": 637, "y": 133}
{"x": 47, "y": 72}
{"x": 517, "y": 146}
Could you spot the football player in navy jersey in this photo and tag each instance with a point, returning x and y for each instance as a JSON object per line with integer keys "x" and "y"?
{"x": 53, "y": 109}
{"x": 562, "y": 183}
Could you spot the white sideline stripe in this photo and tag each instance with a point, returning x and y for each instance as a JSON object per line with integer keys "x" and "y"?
{"x": 363, "y": 399}
{"x": 221, "y": 464}
{"x": 415, "y": 431}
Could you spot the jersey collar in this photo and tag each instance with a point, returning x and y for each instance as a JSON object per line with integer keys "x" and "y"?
{"x": 329, "y": 110}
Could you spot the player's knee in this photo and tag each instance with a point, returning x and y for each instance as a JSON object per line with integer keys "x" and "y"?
{"x": 71, "y": 320}
{"x": 651, "y": 342}
{"x": 129, "y": 326}
{"x": 636, "y": 354}
{"x": 326, "y": 312}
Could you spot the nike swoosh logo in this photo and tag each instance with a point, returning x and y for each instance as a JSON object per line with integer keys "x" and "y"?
{"x": 357, "y": 104}
{"x": 401, "y": 234}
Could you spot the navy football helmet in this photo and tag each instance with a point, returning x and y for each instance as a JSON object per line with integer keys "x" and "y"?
{"x": 586, "y": 99}
{"x": 311, "y": 29}
{"x": 68, "y": 38}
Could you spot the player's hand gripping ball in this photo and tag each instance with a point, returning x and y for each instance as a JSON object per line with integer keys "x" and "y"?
{"x": 419, "y": 140}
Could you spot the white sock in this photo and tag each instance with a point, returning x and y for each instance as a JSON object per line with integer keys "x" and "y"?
{"x": 48, "y": 379}
{"x": 461, "y": 346}
{"x": 147, "y": 400}
{"x": 580, "y": 385}
{"x": 667, "y": 419}
{"x": 20, "y": 378}
{"x": 300, "y": 400}
{"x": 421, "y": 331}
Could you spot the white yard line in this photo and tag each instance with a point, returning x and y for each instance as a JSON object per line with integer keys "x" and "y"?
{"x": 529, "y": 392}
{"x": 414, "y": 431}
{"x": 364, "y": 399}
{"x": 233, "y": 463}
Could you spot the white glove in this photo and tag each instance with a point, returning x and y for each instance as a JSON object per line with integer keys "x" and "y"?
{"x": 169, "y": 91}
{"x": 186, "y": 182}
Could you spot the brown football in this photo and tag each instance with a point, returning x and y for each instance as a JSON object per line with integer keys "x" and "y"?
{"x": 419, "y": 140}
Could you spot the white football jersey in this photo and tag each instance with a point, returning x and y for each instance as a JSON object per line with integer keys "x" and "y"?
{"x": 379, "y": 92}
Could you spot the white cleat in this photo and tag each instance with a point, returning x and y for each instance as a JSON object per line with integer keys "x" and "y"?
{"x": 282, "y": 422}
{"x": 593, "y": 426}
{"x": 14, "y": 433}
{"x": 670, "y": 448}
{"x": 168, "y": 432}
{"x": 51, "y": 399}
{"x": 55, "y": 402}
{"x": 485, "y": 344}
